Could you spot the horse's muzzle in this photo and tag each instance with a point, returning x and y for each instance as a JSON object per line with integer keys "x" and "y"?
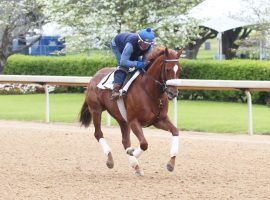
{"x": 172, "y": 92}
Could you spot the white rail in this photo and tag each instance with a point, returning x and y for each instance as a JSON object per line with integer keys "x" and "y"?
{"x": 246, "y": 86}
{"x": 49, "y": 80}
{"x": 45, "y": 81}
{"x": 190, "y": 84}
{"x": 194, "y": 84}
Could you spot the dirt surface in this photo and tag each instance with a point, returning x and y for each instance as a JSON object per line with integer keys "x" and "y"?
{"x": 63, "y": 161}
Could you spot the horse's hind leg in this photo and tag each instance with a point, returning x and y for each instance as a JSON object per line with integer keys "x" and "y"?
{"x": 99, "y": 136}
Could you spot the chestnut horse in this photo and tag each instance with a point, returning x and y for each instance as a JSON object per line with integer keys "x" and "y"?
{"x": 146, "y": 104}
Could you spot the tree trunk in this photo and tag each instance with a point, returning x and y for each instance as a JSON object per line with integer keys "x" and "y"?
{"x": 228, "y": 41}
{"x": 228, "y": 46}
{"x": 3, "y": 62}
{"x": 193, "y": 52}
{"x": 192, "y": 49}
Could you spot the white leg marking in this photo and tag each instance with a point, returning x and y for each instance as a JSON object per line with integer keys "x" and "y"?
{"x": 133, "y": 161}
{"x": 138, "y": 152}
{"x": 174, "y": 146}
{"x": 105, "y": 146}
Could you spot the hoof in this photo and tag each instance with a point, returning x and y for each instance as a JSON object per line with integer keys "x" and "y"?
{"x": 170, "y": 168}
{"x": 110, "y": 162}
{"x": 138, "y": 172}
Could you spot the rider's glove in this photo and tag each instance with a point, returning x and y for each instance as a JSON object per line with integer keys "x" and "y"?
{"x": 140, "y": 64}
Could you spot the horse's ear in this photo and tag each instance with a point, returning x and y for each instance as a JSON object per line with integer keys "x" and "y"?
{"x": 179, "y": 53}
{"x": 166, "y": 52}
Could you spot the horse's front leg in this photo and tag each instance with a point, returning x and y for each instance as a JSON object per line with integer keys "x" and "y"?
{"x": 166, "y": 125}
{"x": 133, "y": 154}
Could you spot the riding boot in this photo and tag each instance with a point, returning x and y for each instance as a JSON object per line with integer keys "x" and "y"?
{"x": 115, "y": 91}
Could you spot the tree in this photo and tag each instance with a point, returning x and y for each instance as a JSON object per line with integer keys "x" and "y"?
{"x": 192, "y": 48}
{"x": 256, "y": 12}
{"x": 259, "y": 40}
{"x": 95, "y": 22}
{"x": 230, "y": 41}
{"x": 17, "y": 18}
{"x": 230, "y": 38}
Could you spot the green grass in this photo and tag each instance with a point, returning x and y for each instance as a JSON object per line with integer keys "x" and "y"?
{"x": 221, "y": 117}
{"x": 63, "y": 107}
{"x": 208, "y": 54}
{"x": 192, "y": 115}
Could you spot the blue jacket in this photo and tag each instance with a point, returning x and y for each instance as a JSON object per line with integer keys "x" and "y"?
{"x": 127, "y": 44}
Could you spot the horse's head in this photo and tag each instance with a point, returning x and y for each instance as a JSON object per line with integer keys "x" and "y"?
{"x": 166, "y": 63}
{"x": 171, "y": 70}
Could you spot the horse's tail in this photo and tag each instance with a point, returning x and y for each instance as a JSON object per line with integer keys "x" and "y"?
{"x": 85, "y": 115}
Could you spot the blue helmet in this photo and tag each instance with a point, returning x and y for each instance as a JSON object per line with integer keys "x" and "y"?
{"x": 147, "y": 35}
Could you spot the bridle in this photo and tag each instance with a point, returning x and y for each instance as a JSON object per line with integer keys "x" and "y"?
{"x": 163, "y": 86}
{"x": 163, "y": 81}
{"x": 164, "y": 73}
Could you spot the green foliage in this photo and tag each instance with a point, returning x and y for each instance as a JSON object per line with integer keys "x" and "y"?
{"x": 95, "y": 23}
{"x": 192, "y": 69}
{"x": 58, "y": 66}
{"x": 225, "y": 70}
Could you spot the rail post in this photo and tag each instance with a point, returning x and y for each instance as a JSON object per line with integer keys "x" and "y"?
{"x": 249, "y": 101}
{"x": 47, "y": 109}
{"x": 175, "y": 120}
{"x": 108, "y": 119}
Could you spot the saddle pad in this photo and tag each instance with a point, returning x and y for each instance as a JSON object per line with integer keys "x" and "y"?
{"x": 107, "y": 82}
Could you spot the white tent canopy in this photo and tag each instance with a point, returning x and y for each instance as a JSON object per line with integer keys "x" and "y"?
{"x": 221, "y": 15}
{"x": 223, "y": 23}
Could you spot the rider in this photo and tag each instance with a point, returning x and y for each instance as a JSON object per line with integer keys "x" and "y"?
{"x": 130, "y": 50}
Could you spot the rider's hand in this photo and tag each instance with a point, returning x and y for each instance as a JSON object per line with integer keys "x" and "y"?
{"x": 140, "y": 64}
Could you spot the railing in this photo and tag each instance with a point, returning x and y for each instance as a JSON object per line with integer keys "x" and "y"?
{"x": 45, "y": 81}
{"x": 190, "y": 84}
{"x": 246, "y": 86}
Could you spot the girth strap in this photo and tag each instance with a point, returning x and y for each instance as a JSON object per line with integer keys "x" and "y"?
{"x": 156, "y": 119}
{"x": 122, "y": 108}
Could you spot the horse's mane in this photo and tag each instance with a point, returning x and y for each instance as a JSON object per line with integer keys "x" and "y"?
{"x": 157, "y": 51}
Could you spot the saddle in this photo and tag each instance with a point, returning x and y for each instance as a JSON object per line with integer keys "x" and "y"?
{"x": 107, "y": 81}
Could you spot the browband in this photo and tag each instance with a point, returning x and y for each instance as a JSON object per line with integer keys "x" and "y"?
{"x": 171, "y": 60}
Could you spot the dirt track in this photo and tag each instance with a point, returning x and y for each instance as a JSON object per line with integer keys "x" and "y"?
{"x": 61, "y": 161}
